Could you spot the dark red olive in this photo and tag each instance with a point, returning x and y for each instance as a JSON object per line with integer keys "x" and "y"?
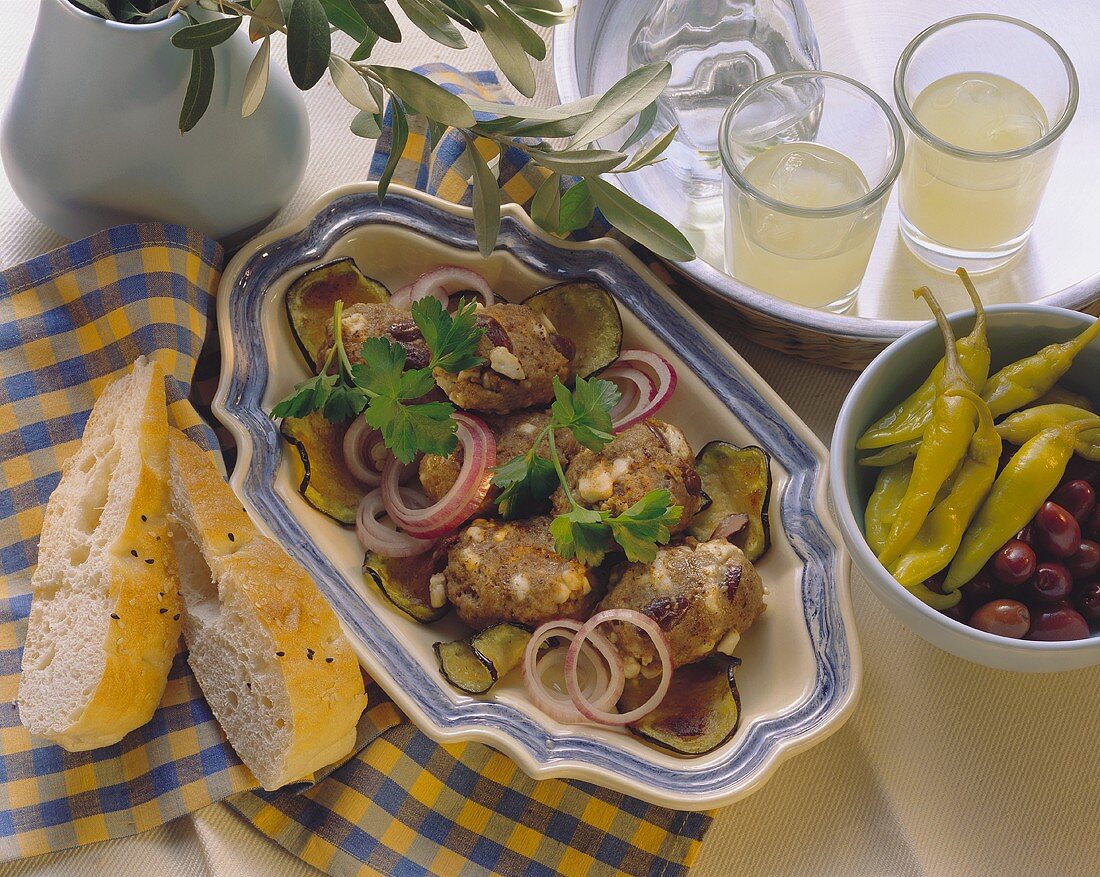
{"x": 1027, "y": 534}
{"x": 1015, "y": 563}
{"x": 958, "y": 612}
{"x": 1088, "y": 603}
{"x": 1056, "y": 530}
{"x": 1077, "y": 497}
{"x": 1085, "y": 470}
{"x": 1051, "y": 583}
{"x": 981, "y": 589}
{"x": 1084, "y": 563}
{"x": 1058, "y": 624}
{"x": 1092, "y": 526}
{"x": 1009, "y": 618}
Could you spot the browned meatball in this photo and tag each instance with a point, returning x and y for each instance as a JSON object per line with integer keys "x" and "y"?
{"x": 523, "y": 354}
{"x": 647, "y": 456}
{"x": 362, "y": 321}
{"x": 515, "y": 433}
{"x": 508, "y": 571}
{"x": 699, "y": 594}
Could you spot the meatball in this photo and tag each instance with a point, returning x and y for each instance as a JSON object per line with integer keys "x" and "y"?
{"x": 699, "y": 594}
{"x": 508, "y": 571}
{"x": 362, "y": 321}
{"x": 523, "y": 354}
{"x": 515, "y": 433}
{"x": 648, "y": 456}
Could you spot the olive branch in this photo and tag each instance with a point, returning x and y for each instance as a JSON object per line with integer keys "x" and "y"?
{"x": 504, "y": 26}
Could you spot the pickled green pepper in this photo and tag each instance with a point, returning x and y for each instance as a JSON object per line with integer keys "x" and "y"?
{"x": 891, "y": 455}
{"x": 882, "y": 507}
{"x": 1019, "y": 492}
{"x": 1029, "y": 422}
{"x": 945, "y": 443}
{"x": 908, "y": 420}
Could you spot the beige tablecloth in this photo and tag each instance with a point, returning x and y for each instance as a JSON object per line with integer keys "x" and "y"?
{"x": 946, "y": 768}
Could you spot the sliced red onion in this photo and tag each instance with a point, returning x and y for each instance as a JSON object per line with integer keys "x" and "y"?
{"x": 597, "y": 711}
{"x": 639, "y": 367}
{"x": 448, "y": 279}
{"x": 730, "y": 525}
{"x": 604, "y": 688}
{"x": 466, "y": 494}
{"x": 637, "y": 389}
{"x": 382, "y": 538}
{"x": 361, "y": 443}
{"x": 400, "y": 299}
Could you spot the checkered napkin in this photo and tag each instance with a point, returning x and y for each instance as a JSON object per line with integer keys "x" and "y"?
{"x": 72, "y": 320}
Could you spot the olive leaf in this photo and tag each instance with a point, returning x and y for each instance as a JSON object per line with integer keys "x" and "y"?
{"x": 530, "y": 41}
{"x": 308, "y": 43}
{"x": 429, "y": 98}
{"x": 650, "y": 154}
{"x": 464, "y": 12}
{"x": 266, "y": 19}
{"x": 343, "y": 17}
{"x": 577, "y": 208}
{"x": 96, "y": 7}
{"x": 366, "y": 125}
{"x": 432, "y": 22}
{"x": 206, "y": 34}
{"x": 486, "y": 200}
{"x": 577, "y": 162}
{"x": 646, "y": 118}
{"x": 543, "y": 17}
{"x": 200, "y": 85}
{"x": 509, "y": 55}
{"x": 379, "y": 19}
{"x": 624, "y": 100}
{"x": 436, "y": 131}
{"x": 365, "y": 47}
{"x": 546, "y": 204}
{"x": 350, "y": 83}
{"x": 399, "y": 135}
{"x": 543, "y": 114}
{"x": 639, "y": 222}
{"x": 255, "y": 80}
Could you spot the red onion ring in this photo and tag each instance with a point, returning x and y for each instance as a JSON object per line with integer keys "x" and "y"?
{"x": 387, "y": 541}
{"x": 479, "y": 449}
{"x": 595, "y": 710}
{"x": 663, "y": 382}
{"x": 730, "y": 525}
{"x": 359, "y": 443}
{"x": 400, "y": 299}
{"x": 434, "y": 283}
{"x": 639, "y": 389}
{"x": 606, "y": 688}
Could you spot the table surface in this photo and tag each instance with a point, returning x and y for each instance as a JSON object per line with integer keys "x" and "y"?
{"x": 946, "y": 768}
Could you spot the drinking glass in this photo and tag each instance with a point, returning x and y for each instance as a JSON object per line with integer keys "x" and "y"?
{"x": 985, "y": 100}
{"x": 809, "y": 160}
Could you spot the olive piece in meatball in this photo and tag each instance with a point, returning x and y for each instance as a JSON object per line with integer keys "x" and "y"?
{"x": 508, "y": 571}
{"x": 515, "y": 434}
{"x": 377, "y": 320}
{"x": 651, "y": 455}
{"x": 523, "y": 354}
{"x": 699, "y": 593}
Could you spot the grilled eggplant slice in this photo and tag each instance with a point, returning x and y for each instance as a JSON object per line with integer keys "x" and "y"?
{"x": 406, "y": 581}
{"x": 326, "y": 483}
{"x": 738, "y": 481}
{"x": 475, "y": 663}
{"x": 587, "y": 315}
{"x": 310, "y": 299}
{"x": 700, "y": 712}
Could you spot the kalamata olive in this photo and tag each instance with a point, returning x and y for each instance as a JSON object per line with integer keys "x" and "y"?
{"x": 1015, "y": 563}
{"x": 1056, "y": 530}
{"x": 981, "y": 589}
{"x": 1084, "y": 563}
{"x": 1058, "y": 624}
{"x": 1092, "y": 526}
{"x": 1088, "y": 603}
{"x": 1077, "y": 497}
{"x": 958, "y": 612}
{"x": 1085, "y": 470}
{"x": 1051, "y": 583}
{"x": 1009, "y": 618}
{"x": 1027, "y": 534}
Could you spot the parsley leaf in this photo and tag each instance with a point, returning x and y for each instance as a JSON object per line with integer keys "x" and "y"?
{"x": 581, "y": 533}
{"x": 308, "y": 396}
{"x": 586, "y": 412}
{"x": 528, "y": 481}
{"x": 645, "y": 525}
{"x": 344, "y": 403}
{"x": 382, "y": 367}
{"x": 406, "y": 429}
{"x": 452, "y": 340}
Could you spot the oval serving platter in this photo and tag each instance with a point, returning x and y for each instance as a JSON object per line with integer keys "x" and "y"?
{"x": 801, "y": 672}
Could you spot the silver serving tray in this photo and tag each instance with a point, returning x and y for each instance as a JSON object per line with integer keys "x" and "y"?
{"x": 863, "y": 39}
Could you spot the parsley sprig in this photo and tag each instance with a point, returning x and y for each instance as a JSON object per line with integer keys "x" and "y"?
{"x": 586, "y": 534}
{"x": 384, "y": 391}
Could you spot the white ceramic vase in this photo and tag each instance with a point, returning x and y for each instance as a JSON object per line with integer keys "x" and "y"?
{"x": 91, "y": 136}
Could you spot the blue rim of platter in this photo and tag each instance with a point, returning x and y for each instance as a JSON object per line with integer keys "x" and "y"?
{"x": 835, "y": 682}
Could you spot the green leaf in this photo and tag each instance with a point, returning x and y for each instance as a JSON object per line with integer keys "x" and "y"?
{"x": 206, "y": 34}
{"x": 381, "y": 368}
{"x": 542, "y": 17}
{"x": 646, "y": 118}
{"x": 255, "y": 80}
{"x": 426, "y": 427}
{"x": 379, "y": 19}
{"x": 308, "y": 396}
{"x": 649, "y": 154}
{"x": 268, "y": 18}
{"x": 453, "y": 340}
{"x": 351, "y": 84}
{"x": 95, "y": 7}
{"x": 576, "y": 162}
{"x": 582, "y": 534}
{"x": 545, "y": 114}
{"x": 365, "y": 47}
{"x": 577, "y": 208}
{"x": 553, "y": 6}
{"x": 639, "y": 222}
{"x": 546, "y": 204}
{"x": 631, "y": 94}
{"x": 509, "y": 55}
{"x": 534, "y": 128}
{"x": 528, "y": 482}
{"x": 465, "y": 13}
{"x": 435, "y": 133}
{"x": 433, "y": 23}
{"x": 344, "y": 18}
{"x": 430, "y": 99}
{"x": 530, "y": 41}
{"x": 308, "y": 43}
{"x": 645, "y": 525}
{"x": 345, "y": 403}
{"x": 586, "y": 411}
{"x": 366, "y": 125}
{"x": 486, "y": 201}
{"x": 399, "y": 135}
{"x": 200, "y": 86}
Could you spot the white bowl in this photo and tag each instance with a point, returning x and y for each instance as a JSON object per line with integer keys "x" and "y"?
{"x": 1014, "y": 331}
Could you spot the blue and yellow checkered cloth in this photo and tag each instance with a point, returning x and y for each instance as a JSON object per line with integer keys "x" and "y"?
{"x": 71, "y": 321}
